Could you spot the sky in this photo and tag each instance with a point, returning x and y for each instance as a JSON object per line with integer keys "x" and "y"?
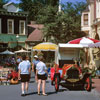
{"x": 63, "y": 1}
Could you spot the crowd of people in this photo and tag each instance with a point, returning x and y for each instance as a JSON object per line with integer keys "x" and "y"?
{"x": 24, "y": 73}
{"x": 7, "y": 61}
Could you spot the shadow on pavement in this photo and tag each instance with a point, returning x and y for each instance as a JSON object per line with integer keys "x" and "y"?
{"x": 54, "y": 92}
{"x": 73, "y": 88}
{"x": 31, "y": 81}
{"x": 31, "y": 93}
{"x": 50, "y": 93}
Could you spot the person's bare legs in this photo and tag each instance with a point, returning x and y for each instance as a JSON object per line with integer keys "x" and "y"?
{"x": 22, "y": 87}
{"x": 43, "y": 87}
{"x": 26, "y": 86}
{"x": 36, "y": 79}
{"x": 39, "y": 84}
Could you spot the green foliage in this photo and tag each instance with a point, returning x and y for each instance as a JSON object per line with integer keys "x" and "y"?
{"x": 31, "y": 6}
{"x": 46, "y": 15}
{"x": 58, "y": 26}
{"x": 2, "y": 2}
{"x": 62, "y": 26}
{"x": 34, "y": 6}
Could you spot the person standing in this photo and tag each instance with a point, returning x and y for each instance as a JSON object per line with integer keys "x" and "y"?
{"x": 34, "y": 63}
{"x": 41, "y": 71}
{"x": 24, "y": 75}
{"x": 27, "y": 59}
{"x": 19, "y": 59}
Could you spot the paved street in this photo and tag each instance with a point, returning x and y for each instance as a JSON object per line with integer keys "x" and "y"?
{"x": 97, "y": 84}
{"x": 13, "y": 92}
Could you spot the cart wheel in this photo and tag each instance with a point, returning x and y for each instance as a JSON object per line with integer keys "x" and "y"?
{"x": 56, "y": 83}
{"x": 88, "y": 84}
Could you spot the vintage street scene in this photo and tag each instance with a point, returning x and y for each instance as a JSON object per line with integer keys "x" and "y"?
{"x": 50, "y": 49}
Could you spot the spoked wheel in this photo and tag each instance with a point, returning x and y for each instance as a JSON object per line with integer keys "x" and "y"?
{"x": 88, "y": 84}
{"x": 56, "y": 83}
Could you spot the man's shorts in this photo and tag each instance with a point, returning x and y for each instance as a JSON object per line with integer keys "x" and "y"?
{"x": 25, "y": 77}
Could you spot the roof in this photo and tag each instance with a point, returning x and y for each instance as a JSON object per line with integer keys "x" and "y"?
{"x": 90, "y": 0}
{"x": 8, "y": 4}
{"x": 39, "y": 26}
{"x": 36, "y": 35}
{"x": 86, "y": 10}
{"x": 4, "y": 12}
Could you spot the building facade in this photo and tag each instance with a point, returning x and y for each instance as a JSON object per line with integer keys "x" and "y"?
{"x": 90, "y": 23}
{"x": 13, "y": 27}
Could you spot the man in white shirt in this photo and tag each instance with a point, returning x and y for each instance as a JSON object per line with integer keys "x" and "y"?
{"x": 24, "y": 74}
{"x": 34, "y": 63}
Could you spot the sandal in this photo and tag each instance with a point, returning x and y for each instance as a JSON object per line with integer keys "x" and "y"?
{"x": 38, "y": 93}
{"x": 44, "y": 94}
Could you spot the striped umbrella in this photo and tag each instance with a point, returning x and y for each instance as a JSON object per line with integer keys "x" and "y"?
{"x": 95, "y": 45}
{"x": 85, "y": 41}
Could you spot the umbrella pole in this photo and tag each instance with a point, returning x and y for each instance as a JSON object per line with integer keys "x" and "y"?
{"x": 86, "y": 51}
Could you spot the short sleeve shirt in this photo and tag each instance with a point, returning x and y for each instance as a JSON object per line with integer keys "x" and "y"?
{"x": 28, "y": 62}
{"x": 41, "y": 67}
{"x": 24, "y": 67}
{"x": 18, "y": 60}
{"x": 35, "y": 62}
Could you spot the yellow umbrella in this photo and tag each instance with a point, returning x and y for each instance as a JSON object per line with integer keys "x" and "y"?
{"x": 45, "y": 46}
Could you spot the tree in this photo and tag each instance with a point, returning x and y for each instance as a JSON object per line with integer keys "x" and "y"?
{"x": 62, "y": 26}
{"x": 2, "y": 2}
{"x": 33, "y": 6}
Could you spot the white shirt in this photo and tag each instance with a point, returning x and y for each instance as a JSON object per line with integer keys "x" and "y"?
{"x": 41, "y": 67}
{"x": 24, "y": 67}
{"x": 28, "y": 62}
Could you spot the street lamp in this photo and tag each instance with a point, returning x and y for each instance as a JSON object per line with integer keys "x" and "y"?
{"x": 17, "y": 36}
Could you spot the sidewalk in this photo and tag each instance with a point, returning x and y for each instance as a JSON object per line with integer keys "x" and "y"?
{"x": 96, "y": 85}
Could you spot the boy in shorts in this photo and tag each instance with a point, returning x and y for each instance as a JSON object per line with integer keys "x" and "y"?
{"x": 24, "y": 75}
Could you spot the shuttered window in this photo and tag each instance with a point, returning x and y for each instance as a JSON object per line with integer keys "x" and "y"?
{"x": 10, "y": 26}
{"x": 22, "y": 27}
{"x": 85, "y": 19}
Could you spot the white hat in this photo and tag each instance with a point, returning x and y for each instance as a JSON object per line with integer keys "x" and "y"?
{"x": 35, "y": 56}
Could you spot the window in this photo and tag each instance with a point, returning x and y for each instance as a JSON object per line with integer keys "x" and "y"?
{"x": 10, "y": 26}
{"x": 85, "y": 19}
{"x": 0, "y": 26}
{"x": 22, "y": 27}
